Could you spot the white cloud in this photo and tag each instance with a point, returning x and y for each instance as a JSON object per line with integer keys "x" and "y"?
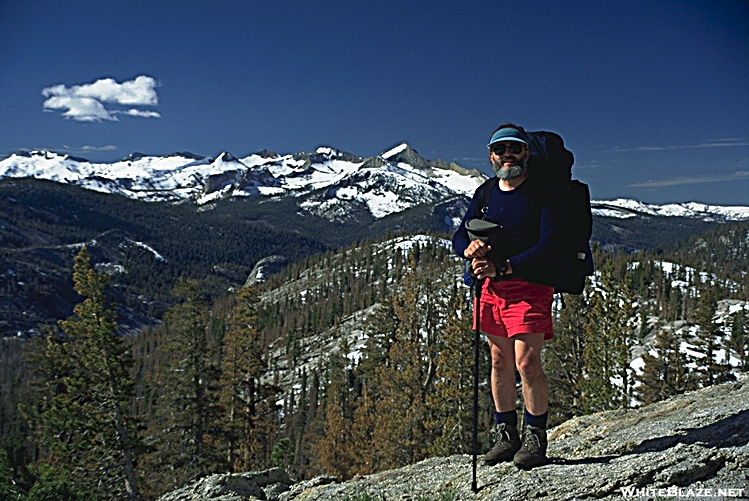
{"x": 715, "y": 143}
{"x": 82, "y": 109}
{"x": 736, "y": 176}
{"x": 108, "y": 147}
{"x": 86, "y": 148}
{"x": 86, "y": 103}
{"x": 140, "y": 113}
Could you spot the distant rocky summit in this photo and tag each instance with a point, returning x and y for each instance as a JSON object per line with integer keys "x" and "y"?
{"x": 692, "y": 446}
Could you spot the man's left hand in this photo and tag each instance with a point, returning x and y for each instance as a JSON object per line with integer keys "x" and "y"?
{"x": 483, "y": 268}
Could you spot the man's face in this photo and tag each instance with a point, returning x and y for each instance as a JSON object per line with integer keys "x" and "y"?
{"x": 509, "y": 159}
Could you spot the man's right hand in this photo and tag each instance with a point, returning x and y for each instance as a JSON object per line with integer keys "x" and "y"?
{"x": 477, "y": 248}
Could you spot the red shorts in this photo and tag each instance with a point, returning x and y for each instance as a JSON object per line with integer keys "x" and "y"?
{"x": 512, "y": 307}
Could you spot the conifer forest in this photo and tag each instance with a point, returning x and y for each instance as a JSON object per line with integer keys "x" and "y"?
{"x": 346, "y": 363}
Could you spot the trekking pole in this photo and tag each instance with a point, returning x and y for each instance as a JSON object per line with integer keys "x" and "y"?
{"x": 477, "y": 318}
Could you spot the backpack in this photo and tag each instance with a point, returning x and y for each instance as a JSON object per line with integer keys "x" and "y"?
{"x": 552, "y": 162}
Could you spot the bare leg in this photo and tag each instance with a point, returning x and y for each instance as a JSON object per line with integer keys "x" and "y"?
{"x": 503, "y": 373}
{"x": 528, "y": 361}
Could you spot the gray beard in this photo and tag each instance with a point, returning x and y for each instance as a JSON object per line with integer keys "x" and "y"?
{"x": 512, "y": 172}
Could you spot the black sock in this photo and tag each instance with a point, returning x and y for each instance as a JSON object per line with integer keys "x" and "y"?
{"x": 509, "y": 417}
{"x": 536, "y": 421}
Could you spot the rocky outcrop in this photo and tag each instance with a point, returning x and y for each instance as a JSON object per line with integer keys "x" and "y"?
{"x": 264, "y": 268}
{"x": 692, "y": 446}
{"x": 234, "y": 487}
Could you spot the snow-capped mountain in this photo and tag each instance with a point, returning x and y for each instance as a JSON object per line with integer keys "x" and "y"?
{"x": 392, "y": 182}
{"x": 328, "y": 182}
{"x": 625, "y": 209}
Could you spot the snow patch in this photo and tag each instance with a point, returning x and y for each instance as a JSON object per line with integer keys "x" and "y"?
{"x": 394, "y": 151}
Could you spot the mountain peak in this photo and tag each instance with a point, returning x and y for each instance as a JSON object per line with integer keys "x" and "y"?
{"x": 134, "y": 156}
{"x": 328, "y": 152}
{"x": 265, "y": 153}
{"x": 404, "y": 153}
{"x": 47, "y": 155}
{"x": 226, "y": 157}
{"x": 186, "y": 154}
{"x": 395, "y": 150}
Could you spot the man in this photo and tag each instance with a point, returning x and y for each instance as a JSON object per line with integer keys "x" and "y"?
{"x": 515, "y": 309}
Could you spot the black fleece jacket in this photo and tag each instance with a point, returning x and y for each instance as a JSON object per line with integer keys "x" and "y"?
{"x": 532, "y": 228}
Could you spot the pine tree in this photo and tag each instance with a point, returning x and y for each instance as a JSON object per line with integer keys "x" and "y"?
{"x": 675, "y": 299}
{"x": 84, "y": 425}
{"x": 334, "y": 449}
{"x": 381, "y": 328}
{"x": 450, "y": 406}
{"x": 709, "y": 370}
{"x": 283, "y": 454}
{"x": 400, "y": 436}
{"x": 362, "y": 430}
{"x": 248, "y": 417}
{"x": 739, "y": 338}
{"x": 609, "y": 334}
{"x": 664, "y": 372}
{"x": 8, "y": 489}
{"x": 312, "y": 411}
{"x": 186, "y": 431}
{"x": 564, "y": 359}
{"x": 295, "y": 424}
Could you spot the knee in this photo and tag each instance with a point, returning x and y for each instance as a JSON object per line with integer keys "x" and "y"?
{"x": 529, "y": 368}
{"x": 501, "y": 362}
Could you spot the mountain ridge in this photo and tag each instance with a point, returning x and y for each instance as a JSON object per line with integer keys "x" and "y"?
{"x": 377, "y": 183}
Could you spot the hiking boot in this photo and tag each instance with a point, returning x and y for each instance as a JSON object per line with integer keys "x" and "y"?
{"x": 533, "y": 451}
{"x": 508, "y": 443}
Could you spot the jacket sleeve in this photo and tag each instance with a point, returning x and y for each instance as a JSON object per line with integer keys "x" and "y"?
{"x": 460, "y": 237}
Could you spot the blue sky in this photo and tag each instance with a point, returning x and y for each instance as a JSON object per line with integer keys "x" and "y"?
{"x": 652, "y": 96}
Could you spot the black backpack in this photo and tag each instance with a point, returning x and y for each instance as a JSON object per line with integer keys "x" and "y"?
{"x": 552, "y": 163}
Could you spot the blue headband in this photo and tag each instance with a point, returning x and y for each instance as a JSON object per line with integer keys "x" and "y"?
{"x": 508, "y": 134}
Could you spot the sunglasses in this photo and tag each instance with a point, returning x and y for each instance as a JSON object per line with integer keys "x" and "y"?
{"x": 514, "y": 147}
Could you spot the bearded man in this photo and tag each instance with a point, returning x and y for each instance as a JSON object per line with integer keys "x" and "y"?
{"x": 515, "y": 306}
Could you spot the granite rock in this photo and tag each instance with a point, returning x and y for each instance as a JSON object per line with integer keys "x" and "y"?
{"x": 690, "y": 445}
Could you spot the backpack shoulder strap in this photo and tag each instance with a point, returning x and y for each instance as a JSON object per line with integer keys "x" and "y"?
{"x": 484, "y": 193}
